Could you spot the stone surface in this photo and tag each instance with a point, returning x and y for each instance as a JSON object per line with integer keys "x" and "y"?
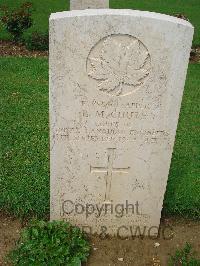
{"x": 87, "y": 4}
{"x": 116, "y": 83}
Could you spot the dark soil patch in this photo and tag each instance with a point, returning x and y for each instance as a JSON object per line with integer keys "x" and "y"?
{"x": 9, "y": 233}
{"x": 8, "y": 48}
{"x": 114, "y": 251}
{"x": 146, "y": 252}
{"x": 195, "y": 55}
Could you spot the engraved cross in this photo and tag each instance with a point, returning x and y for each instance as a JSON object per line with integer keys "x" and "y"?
{"x": 109, "y": 170}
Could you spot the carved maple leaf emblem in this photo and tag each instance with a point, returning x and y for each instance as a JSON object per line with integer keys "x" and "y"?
{"x": 119, "y": 64}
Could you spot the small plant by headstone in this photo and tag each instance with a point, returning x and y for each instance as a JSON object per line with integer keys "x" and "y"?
{"x": 18, "y": 20}
{"x": 184, "y": 257}
{"x": 50, "y": 243}
{"x": 37, "y": 41}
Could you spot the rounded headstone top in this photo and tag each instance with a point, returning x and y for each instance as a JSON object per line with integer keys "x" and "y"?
{"x": 120, "y": 12}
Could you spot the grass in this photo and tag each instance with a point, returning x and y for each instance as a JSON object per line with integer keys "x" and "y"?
{"x": 42, "y": 10}
{"x": 24, "y": 181}
{"x": 183, "y": 191}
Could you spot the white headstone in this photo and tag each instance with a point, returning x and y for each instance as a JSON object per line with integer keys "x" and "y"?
{"x": 87, "y": 4}
{"x": 116, "y": 83}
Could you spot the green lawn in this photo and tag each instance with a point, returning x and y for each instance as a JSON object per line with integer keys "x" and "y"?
{"x": 183, "y": 191}
{"x": 24, "y": 181}
{"x": 42, "y": 10}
